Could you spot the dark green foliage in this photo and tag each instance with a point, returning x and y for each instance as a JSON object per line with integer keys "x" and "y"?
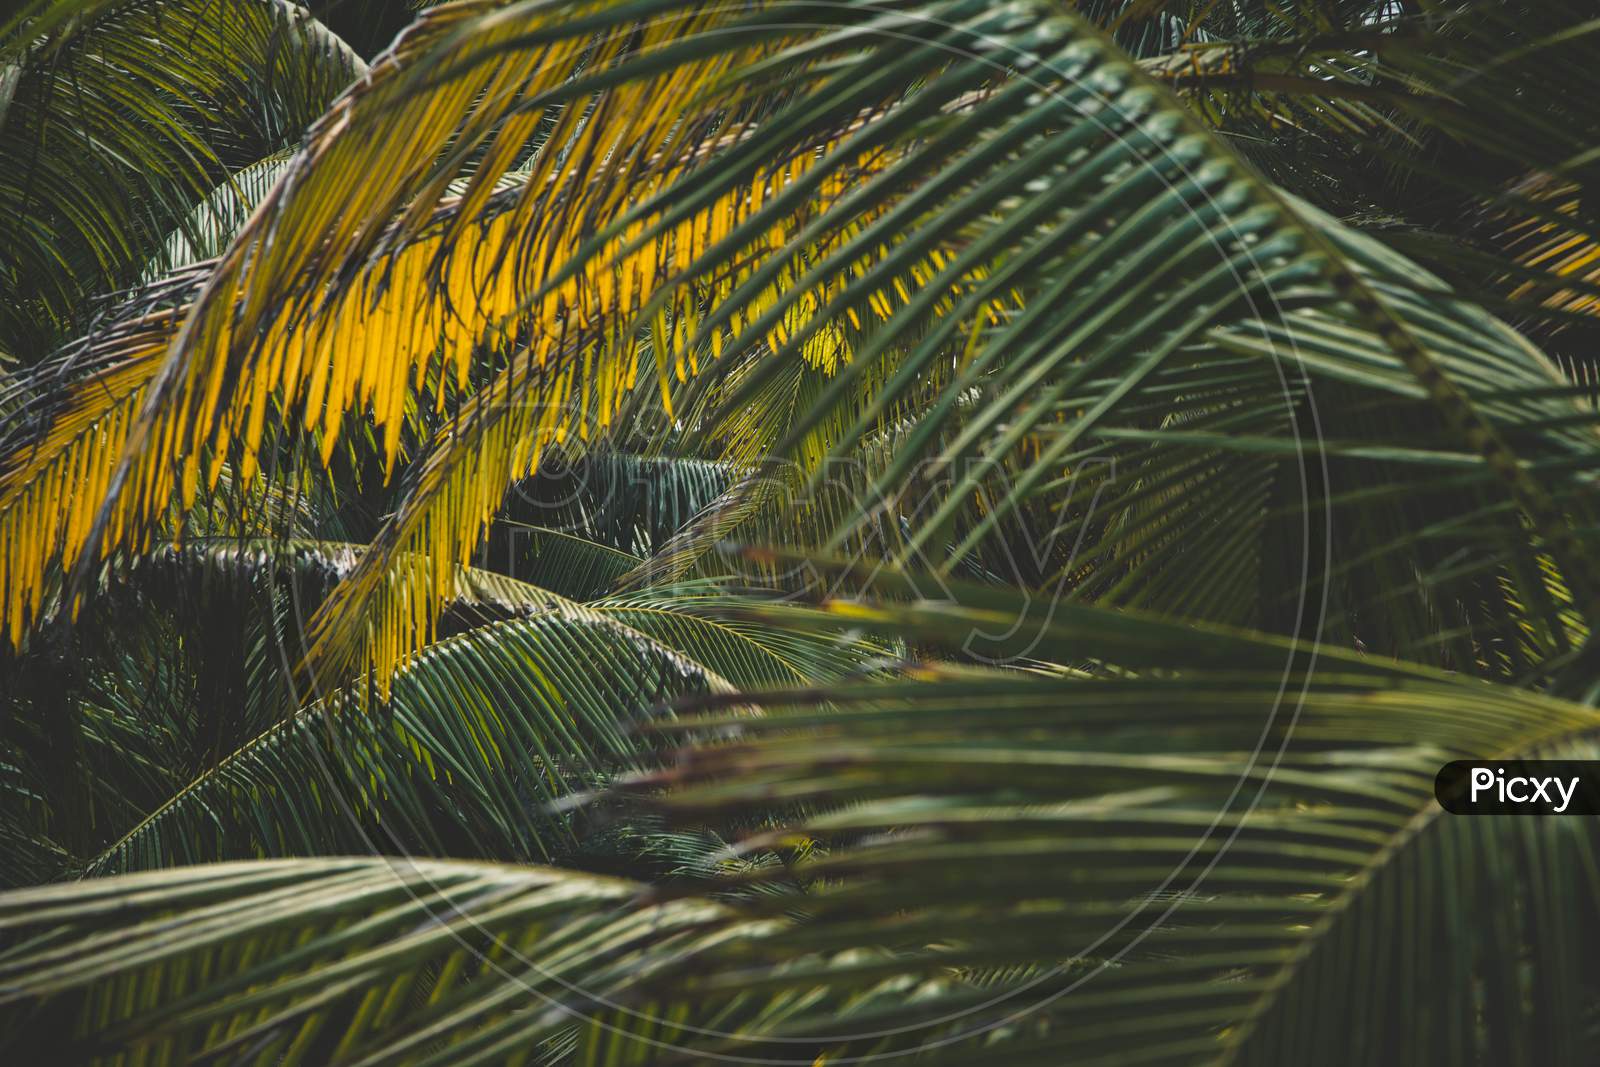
{"x": 1009, "y": 611}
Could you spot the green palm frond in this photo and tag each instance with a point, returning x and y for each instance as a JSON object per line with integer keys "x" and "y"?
{"x": 214, "y": 222}
{"x": 628, "y": 501}
{"x": 535, "y": 698}
{"x": 1360, "y": 323}
{"x": 1359, "y": 316}
{"x": 986, "y": 519}
{"x": 415, "y": 926}
{"x": 480, "y": 735}
{"x": 1406, "y": 117}
{"x": 1042, "y": 844}
{"x": 121, "y": 116}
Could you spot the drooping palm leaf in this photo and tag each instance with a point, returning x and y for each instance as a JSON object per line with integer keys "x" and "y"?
{"x": 62, "y": 446}
{"x": 401, "y": 931}
{"x": 501, "y": 433}
{"x": 536, "y": 698}
{"x": 1015, "y": 871}
{"x": 120, "y": 117}
{"x": 1395, "y": 344}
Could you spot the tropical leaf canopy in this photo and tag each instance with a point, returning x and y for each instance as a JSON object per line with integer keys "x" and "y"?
{"x": 633, "y": 531}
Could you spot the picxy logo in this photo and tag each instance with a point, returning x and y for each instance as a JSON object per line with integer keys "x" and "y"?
{"x": 1519, "y": 787}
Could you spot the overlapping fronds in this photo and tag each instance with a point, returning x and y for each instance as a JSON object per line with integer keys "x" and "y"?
{"x": 63, "y": 437}
{"x": 480, "y": 736}
{"x": 353, "y": 921}
{"x": 61, "y": 447}
{"x": 501, "y": 272}
{"x": 1166, "y": 519}
{"x": 628, "y": 501}
{"x": 1491, "y": 177}
{"x": 1034, "y": 860}
{"x": 706, "y": 623}
{"x": 162, "y": 675}
{"x": 214, "y": 222}
{"x": 537, "y": 698}
{"x": 1191, "y": 472}
{"x": 498, "y": 262}
{"x": 1208, "y": 249}
{"x": 1557, "y": 250}
{"x": 1235, "y": 876}
{"x": 875, "y": 220}
{"x": 119, "y": 117}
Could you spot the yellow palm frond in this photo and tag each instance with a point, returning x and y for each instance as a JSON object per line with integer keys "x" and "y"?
{"x": 730, "y": 191}
{"x": 401, "y": 283}
{"x": 51, "y": 487}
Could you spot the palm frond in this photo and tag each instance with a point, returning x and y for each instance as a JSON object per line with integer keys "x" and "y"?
{"x": 537, "y": 697}
{"x": 56, "y": 451}
{"x": 500, "y": 434}
{"x": 1367, "y": 300}
{"x": 407, "y": 932}
{"x": 1037, "y": 859}
{"x": 120, "y": 117}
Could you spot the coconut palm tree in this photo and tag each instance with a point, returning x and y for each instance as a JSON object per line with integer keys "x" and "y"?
{"x": 787, "y": 531}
